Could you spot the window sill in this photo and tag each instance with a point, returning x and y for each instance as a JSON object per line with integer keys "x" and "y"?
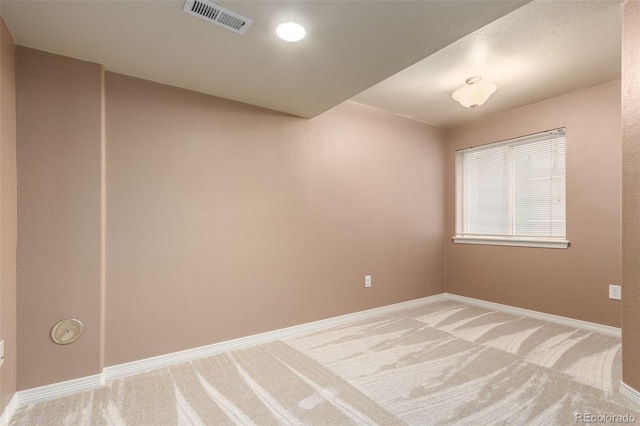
{"x": 513, "y": 241}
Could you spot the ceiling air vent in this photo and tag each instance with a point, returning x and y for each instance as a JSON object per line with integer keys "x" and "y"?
{"x": 217, "y": 14}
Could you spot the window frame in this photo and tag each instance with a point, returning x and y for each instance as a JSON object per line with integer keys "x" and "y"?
{"x": 461, "y": 237}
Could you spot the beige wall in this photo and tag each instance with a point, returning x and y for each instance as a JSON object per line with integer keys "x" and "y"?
{"x": 8, "y": 215}
{"x": 59, "y": 158}
{"x": 631, "y": 194}
{"x": 573, "y": 282}
{"x": 226, "y": 220}
{"x": 223, "y": 220}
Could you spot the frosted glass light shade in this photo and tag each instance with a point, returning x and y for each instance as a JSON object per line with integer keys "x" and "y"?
{"x": 474, "y": 93}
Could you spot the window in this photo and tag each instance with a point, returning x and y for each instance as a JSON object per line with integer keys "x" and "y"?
{"x": 513, "y": 192}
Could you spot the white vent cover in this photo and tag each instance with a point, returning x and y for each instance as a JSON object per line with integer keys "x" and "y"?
{"x": 217, "y": 14}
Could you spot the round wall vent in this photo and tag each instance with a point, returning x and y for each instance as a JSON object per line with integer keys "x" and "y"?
{"x": 66, "y": 331}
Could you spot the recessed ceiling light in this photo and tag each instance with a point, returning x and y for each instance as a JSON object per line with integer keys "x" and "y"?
{"x": 291, "y": 31}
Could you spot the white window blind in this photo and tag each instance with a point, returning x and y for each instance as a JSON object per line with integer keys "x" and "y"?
{"x": 513, "y": 189}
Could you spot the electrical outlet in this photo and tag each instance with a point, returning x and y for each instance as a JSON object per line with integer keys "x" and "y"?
{"x": 1, "y": 352}
{"x": 615, "y": 292}
{"x": 367, "y": 281}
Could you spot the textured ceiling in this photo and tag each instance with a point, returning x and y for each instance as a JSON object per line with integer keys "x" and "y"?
{"x": 350, "y": 45}
{"x": 541, "y": 50}
{"x": 406, "y": 57}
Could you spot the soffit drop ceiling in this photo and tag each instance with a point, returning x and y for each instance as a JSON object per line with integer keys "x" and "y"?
{"x": 350, "y": 45}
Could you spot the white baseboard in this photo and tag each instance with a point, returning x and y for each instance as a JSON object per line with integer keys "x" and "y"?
{"x": 57, "y": 390}
{"x": 9, "y": 411}
{"x": 630, "y": 393}
{"x": 591, "y": 326}
{"x": 142, "y": 365}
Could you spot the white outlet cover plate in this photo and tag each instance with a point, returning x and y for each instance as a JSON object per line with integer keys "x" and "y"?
{"x": 615, "y": 292}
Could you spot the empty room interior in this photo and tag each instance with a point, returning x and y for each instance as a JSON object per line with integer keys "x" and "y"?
{"x": 319, "y": 212}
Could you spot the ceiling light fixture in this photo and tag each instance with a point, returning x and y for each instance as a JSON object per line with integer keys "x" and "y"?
{"x": 474, "y": 93}
{"x": 291, "y": 31}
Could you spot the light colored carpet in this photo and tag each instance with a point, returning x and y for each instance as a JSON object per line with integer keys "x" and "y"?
{"x": 441, "y": 363}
